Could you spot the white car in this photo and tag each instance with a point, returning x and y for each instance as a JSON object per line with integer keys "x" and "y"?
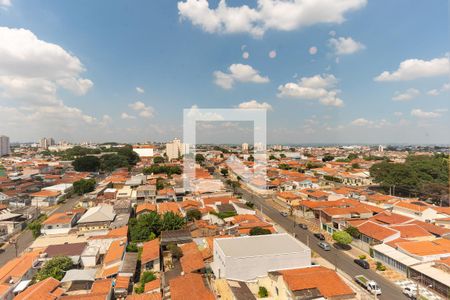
{"x": 284, "y": 214}
{"x": 410, "y": 291}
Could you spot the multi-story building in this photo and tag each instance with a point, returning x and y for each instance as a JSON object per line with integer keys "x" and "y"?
{"x": 176, "y": 149}
{"x": 244, "y": 148}
{"x": 44, "y": 143}
{"x": 4, "y": 145}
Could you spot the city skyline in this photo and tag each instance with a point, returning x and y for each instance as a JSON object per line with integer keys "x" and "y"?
{"x": 366, "y": 72}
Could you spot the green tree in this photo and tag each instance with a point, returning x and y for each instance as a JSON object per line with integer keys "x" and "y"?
{"x": 141, "y": 229}
{"x": 352, "y": 156}
{"x": 272, "y": 157}
{"x": 342, "y": 237}
{"x": 128, "y": 153}
{"x": 356, "y": 166}
{"x": 55, "y": 267}
{"x": 353, "y": 231}
{"x": 193, "y": 214}
{"x": 84, "y": 186}
{"x": 259, "y": 231}
{"x": 251, "y": 158}
{"x": 172, "y": 221}
{"x": 110, "y": 162}
{"x": 175, "y": 251}
{"x": 262, "y": 292}
{"x": 199, "y": 158}
{"x": 147, "y": 276}
{"x": 86, "y": 164}
{"x": 282, "y": 155}
{"x": 36, "y": 225}
{"x": 327, "y": 157}
{"x": 224, "y": 172}
{"x": 158, "y": 160}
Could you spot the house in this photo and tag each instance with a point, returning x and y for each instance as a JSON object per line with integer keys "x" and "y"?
{"x": 121, "y": 286}
{"x": 246, "y": 258}
{"x": 97, "y": 218}
{"x": 16, "y": 270}
{"x": 45, "y": 289}
{"x": 145, "y": 208}
{"x": 60, "y": 223}
{"x": 78, "y": 279}
{"x": 287, "y": 199}
{"x": 192, "y": 259}
{"x": 150, "y": 257}
{"x": 313, "y": 195}
{"x": 110, "y": 193}
{"x": 90, "y": 256}
{"x": 417, "y": 210}
{"x": 113, "y": 259}
{"x": 426, "y": 250}
{"x": 146, "y": 193}
{"x": 153, "y": 286}
{"x": 45, "y": 198}
{"x": 373, "y": 233}
{"x": 101, "y": 289}
{"x": 73, "y": 251}
{"x": 190, "y": 286}
{"x": 306, "y": 283}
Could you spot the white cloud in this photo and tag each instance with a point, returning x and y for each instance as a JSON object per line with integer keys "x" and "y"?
{"x": 142, "y": 109}
{"x": 417, "y": 112}
{"x": 245, "y": 55}
{"x": 5, "y": 3}
{"x": 313, "y": 50}
{"x": 407, "y": 95}
{"x": 140, "y": 90}
{"x": 361, "y": 122}
{"x": 255, "y": 105}
{"x": 411, "y": 69}
{"x": 238, "y": 73}
{"x": 195, "y": 113}
{"x": 318, "y": 87}
{"x": 32, "y": 71}
{"x": 273, "y": 54}
{"x": 437, "y": 92}
{"x": 126, "y": 116}
{"x": 345, "y": 45}
{"x": 268, "y": 14}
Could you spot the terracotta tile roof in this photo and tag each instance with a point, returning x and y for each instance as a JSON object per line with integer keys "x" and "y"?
{"x": 409, "y": 231}
{"x": 167, "y": 207}
{"x": 288, "y": 195}
{"x": 118, "y": 232}
{"x": 122, "y": 282}
{"x": 192, "y": 259}
{"x": 152, "y": 296}
{"x": 325, "y": 280}
{"x": 389, "y": 218}
{"x": 152, "y": 285}
{"x": 43, "y": 290}
{"x": 222, "y": 200}
{"x": 394, "y": 243}
{"x": 380, "y": 198}
{"x": 99, "y": 291}
{"x": 376, "y": 231}
{"x": 59, "y": 218}
{"x": 18, "y": 267}
{"x": 115, "y": 251}
{"x": 108, "y": 272}
{"x": 145, "y": 207}
{"x": 431, "y": 228}
{"x": 189, "y": 286}
{"x": 150, "y": 251}
{"x": 425, "y": 248}
{"x": 414, "y": 206}
{"x": 342, "y": 211}
{"x": 314, "y": 193}
{"x": 46, "y": 193}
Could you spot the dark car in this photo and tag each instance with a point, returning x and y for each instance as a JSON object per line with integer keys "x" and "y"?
{"x": 361, "y": 262}
{"x": 303, "y": 226}
{"x": 319, "y": 236}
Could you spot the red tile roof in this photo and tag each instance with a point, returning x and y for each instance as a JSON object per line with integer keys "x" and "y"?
{"x": 188, "y": 287}
{"x": 150, "y": 251}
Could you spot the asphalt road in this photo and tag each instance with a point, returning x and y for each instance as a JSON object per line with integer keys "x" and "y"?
{"x": 341, "y": 260}
{"x": 25, "y": 238}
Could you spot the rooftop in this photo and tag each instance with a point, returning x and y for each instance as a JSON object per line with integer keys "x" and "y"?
{"x": 260, "y": 245}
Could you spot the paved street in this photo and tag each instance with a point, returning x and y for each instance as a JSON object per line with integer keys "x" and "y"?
{"x": 341, "y": 260}
{"x": 25, "y": 238}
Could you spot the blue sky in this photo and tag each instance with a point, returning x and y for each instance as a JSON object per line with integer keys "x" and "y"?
{"x": 92, "y": 55}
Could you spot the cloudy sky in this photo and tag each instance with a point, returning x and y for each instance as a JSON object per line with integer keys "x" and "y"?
{"x": 327, "y": 71}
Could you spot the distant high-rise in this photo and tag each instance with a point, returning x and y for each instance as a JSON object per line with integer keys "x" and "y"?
{"x": 4, "y": 145}
{"x": 380, "y": 148}
{"x": 244, "y": 148}
{"x": 44, "y": 143}
{"x": 176, "y": 149}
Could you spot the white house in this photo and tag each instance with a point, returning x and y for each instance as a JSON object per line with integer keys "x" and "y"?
{"x": 246, "y": 258}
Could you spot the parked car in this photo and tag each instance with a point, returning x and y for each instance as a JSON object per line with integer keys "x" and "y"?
{"x": 410, "y": 292}
{"x": 325, "y": 246}
{"x": 303, "y": 226}
{"x": 362, "y": 263}
{"x": 319, "y": 236}
{"x": 284, "y": 214}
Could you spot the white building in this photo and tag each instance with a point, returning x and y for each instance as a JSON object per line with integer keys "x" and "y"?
{"x": 44, "y": 143}
{"x": 176, "y": 149}
{"x": 4, "y": 145}
{"x": 246, "y": 258}
{"x": 244, "y": 148}
{"x": 144, "y": 151}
